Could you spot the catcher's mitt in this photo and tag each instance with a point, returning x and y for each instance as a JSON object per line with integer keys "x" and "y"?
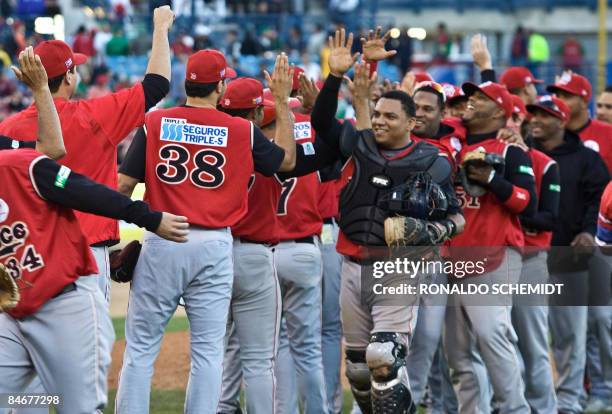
{"x": 478, "y": 158}
{"x": 409, "y": 231}
{"x": 9, "y": 291}
{"x": 123, "y": 262}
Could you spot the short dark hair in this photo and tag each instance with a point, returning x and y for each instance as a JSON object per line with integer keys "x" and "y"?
{"x": 515, "y": 91}
{"x": 56, "y": 82}
{"x": 405, "y": 99}
{"x": 199, "y": 90}
{"x": 431, "y": 90}
{"x": 240, "y": 113}
{"x": 608, "y": 89}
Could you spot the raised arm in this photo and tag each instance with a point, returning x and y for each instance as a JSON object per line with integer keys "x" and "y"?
{"x": 280, "y": 85}
{"x": 159, "y": 62}
{"x": 49, "y": 138}
{"x": 361, "y": 89}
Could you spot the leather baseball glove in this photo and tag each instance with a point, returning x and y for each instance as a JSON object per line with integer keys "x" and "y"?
{"x": 123, "y": 262}
{"x": 409, "y": 231}
{"x": 476, "y": 158}
{"x": 9, "y": 292}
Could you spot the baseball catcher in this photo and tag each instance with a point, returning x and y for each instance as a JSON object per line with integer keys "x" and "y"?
{"x": 9, "y": 292}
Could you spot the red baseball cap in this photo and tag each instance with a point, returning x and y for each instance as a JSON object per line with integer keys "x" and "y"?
{"x": 208, "y": 66}
{"x": 552, "y": 105}
{"x": 57, "y": 57}
{"x": 296, "y": 78}
{"x": 518, "y": 106}
{"x": 517, "y": 77}
{"x": 494, "y": 91}
{"x": 422, "y": 77}
{"x": 452, "y": 92}
{"x": 573, "y": 84}
{"x": 243, "y": 93}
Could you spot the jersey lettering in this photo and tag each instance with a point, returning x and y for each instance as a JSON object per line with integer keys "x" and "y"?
{"x": 206, "y": 173}
{"x": 12, "y": 237}
{"x": 288, "y": 187}
{"x": 466, "y": 200}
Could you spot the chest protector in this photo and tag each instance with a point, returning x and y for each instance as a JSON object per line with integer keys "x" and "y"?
{"x": 381, "y": 188}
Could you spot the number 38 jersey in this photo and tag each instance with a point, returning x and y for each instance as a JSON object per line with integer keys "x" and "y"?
{"x": 298, "y": 206}
{"x": 41, "y": 243}
{"x": 198, "y": 164}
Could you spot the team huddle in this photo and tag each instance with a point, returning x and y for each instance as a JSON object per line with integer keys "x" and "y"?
{"x": 264, "y": 212}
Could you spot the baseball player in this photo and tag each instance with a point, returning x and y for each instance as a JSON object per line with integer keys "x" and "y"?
{"x": 187, "y": 156}
{"x": 456, "y": 100}
{"x": 575, "y": 90}
{"x": 379, "y": 333}
{"x": 45, "y": 252}
{"x": 520, "y": 82}
{"x": 583, "y": 178}
{"x": 604, "y": 106}
{"x": 530, "y": 321}
{"x": 471, "y": 329}
{"x": 93, "y": 128}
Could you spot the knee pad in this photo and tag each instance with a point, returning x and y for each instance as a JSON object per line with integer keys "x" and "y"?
{"x": 358, "y": 375}
{"x": 386, "y": 359}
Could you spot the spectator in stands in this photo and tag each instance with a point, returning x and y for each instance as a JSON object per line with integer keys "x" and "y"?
{"x": 19, "y": 36}
{"x": 100, "y": 40}
{"x": 604, "y": 106}
{"x": 100, "y": 86}
{"x": 538, "y": 52}
{"x": 572, "y": 54}
{"x": 118, "y": 45}
{"x": 518, "y": 52}
{"x": 404, "y": 50}
{"x": 5, "y": 59}
{"x": 83, "y": 42}
{"x": 233, "y": 47}
{"x": 316, "y": 40}
{"x": 295, "y": 43}
{"x": 312, "y": 70}
{"x": 443, "y": 43}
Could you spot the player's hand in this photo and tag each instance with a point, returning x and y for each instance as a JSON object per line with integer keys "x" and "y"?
{"x": 374, "y": 46}
{"x": 31, "y": 70}
{"x": 583, "y": 243}
{"x": 340, "y": 58}
{"x": 362, "y": 84}
{"x": 510, "y": 136}
{"x": 307, "y": 92}
{"x": 408, "y": 84}
{"x": 281, "y": 81}
{"x": 163, "y": 18}
{"x": 479, "y": 172}
{"x": 480, "y": 52}
{"x": 173, "y": 228}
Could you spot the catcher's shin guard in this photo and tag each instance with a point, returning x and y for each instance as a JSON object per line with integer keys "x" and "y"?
{"x": 358, "y": 375}
{"x": 386, "y": 359}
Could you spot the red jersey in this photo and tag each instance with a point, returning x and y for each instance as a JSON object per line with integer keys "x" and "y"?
{"x": 540, "y": 163}
{"x": 261, "y": 223}
{"x": 298, "y": 209}
{"x": 604, "y": 220}
{"x": 328, "y": 199}
{"x": 198, "y": 164}
{"x": 41, "y": 243}
{"x": 92, "y": 129}
{"x": 597, "y": 136}
{"x": 489, "y": 223}
{"x": 451, "y": 142}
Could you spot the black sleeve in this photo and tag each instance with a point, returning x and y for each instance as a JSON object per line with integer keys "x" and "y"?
{"x": 267, "y": 156}
{"x": 155, "y": 88}
{"x": 311, "y": 157}
{"x": 518, "y": 172}
{"x": 134, "y": 163}
{"x": 80, "y": 193}
{"x": 548, "y": 203}
{"x": 488, "y": 75}
{"x": 323, "y": 115}
{"x": 7, "y": 143}
{"x": 594, "y": 181}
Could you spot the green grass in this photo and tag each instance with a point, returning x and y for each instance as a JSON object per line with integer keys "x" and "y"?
{"x": 176, "y": 324}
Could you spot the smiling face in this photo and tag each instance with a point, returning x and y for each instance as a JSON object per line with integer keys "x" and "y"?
{"x": 428, "y": 114}
{"x": 604, "y": 107}
{"x": 544, "y": 125}
{"x": 481, "y": 111}
{"x": 391, "y": 124}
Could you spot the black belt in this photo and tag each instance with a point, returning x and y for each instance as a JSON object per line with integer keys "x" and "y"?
{"x": 309, "y": 239}
{"x": 68, "y": 288}
{"x": 243, "y": 240}
{"x": 328, "y": 220}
